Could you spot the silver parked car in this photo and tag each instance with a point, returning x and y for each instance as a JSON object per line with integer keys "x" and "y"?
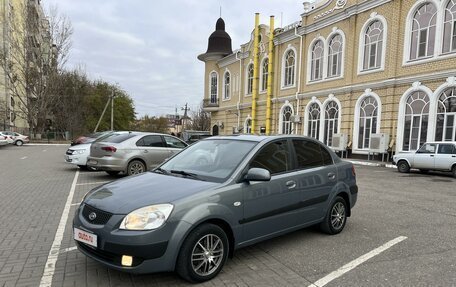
{"x": 132, "y": 152}
{"x": 190, "y": 218}
{"x": 431, "y": 156}
{"x": 16, "y": 138}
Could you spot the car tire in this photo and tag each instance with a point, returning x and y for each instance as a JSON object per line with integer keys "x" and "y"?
{"x": 113, "y": 172}
{"x": 19, "y": 143}
{"x": 403, "y": 166}
{"x": 336, "y": 217}
{"x": 454, "y": 171}
{"x": 135, "y": 167}
{"x": 196, "y": 264}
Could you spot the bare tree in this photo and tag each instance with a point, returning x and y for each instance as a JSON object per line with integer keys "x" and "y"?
{"x": 37, "y": 47}
{"x": 201, "y": 120}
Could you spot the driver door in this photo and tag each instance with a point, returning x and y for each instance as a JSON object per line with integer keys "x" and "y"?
{"x": 425, "y": 157}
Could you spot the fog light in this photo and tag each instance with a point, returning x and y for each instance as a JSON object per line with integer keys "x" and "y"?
{"x": 127, "y": 260}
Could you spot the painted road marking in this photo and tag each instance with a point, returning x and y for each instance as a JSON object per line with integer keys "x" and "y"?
{"x": 355, "y": 263}
{"x": 69, "y": 249}
{"x": 90, "y": 183}
{"x": 49, "y": 268}
{"x": 73, "y": 204}
{"x": 23, "y": 157}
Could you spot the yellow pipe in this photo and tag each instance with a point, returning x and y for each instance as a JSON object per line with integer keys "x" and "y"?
{"x": 270, "y": 72}
{"x": 255, "y": 70}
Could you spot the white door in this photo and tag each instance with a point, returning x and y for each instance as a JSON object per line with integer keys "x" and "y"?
{"x": 445, "y": 157}
{"x": 425, "y": 157}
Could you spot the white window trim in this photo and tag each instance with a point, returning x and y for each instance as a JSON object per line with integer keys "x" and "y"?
{"x": 367, "y": 93}
{"x": 406, "y": 61}
{"x": 287, "y": 104}
{"x": 306, "y": 118}
{"x": 210, "y": 83}
{"x": 450, "y": 83}
{"x": 374, "y": 17}
{"x": 245, "y": 123}
{"x": 416, "y": 87}
{"x": 332, "y": 98}
{"x": 225, "y": 98}
{"x": 309, "y": 60}
{"x": 282, "y": 81}
{"x": 261, "y": 75}
{"x": 342, "y": 61}
{"x": 246, "y": 91}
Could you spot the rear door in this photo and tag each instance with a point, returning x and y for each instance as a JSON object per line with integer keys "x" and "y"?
{"x": 98, "y": 147}
{"x": 425, "y": 157}
{"x": 174, "y": 145}
{"x": 445, "y": 157}
{"x": 316, "y": 177}
{"x": 152, "y": 149}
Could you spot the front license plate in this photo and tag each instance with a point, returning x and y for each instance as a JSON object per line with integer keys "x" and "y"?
{"x": 85, "y": 237}
{"x": 91, "y": 161}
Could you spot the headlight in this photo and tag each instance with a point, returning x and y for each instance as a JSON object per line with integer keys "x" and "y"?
{"x": 147, "y": 218}
{"x": 79, "y": 151}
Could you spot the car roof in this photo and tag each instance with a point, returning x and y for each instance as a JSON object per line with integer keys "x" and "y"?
{"x": 260, "y": 138}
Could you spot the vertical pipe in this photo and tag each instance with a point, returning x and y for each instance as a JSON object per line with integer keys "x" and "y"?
{"x": 112, "y": 111}
{"x": 255, "y": 70}
{"x": 270, "y": 75}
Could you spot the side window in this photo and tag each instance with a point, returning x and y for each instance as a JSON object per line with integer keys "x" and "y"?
{"x": 150, "y": 141}
{"x": 308, "y": 154}
{"x": 427, "y": 148}
{"x": 174, "y": 143}
{"x": 274, "y": 157}
{"x": 446, "y": 149}
{"x": 327, "y": 158}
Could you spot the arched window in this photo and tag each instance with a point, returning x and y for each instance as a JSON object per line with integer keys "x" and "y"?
{"x": 416, "y": 121}
{"x": 446, "y": 116}
{"x": 449, "y": 27}
{"x": 214, "y": 87}
{"x": 285, "y": 124}
{"x": 373, "y": 46}
{"x": 331, "y": 121}
{"x": 314, "y": 121}
{"x": 367, "y": 121}
{"x": 248, "y": 125}
{"x": 335, "y": 46}
{"x": 249, "y": 79}
{"x": 290, "y": 61}
{"x": 423, "y": 31}
{"x": 316, "y": 69}
{"x": 226, "y": 85}
{"x": 264, "y": 74}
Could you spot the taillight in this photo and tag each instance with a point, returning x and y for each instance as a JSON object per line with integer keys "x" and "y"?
{"x": 109, "y": 148}
{"x": 353, "y": 171}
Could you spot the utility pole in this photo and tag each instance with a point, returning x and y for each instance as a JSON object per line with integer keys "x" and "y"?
{"x": 185, "y": 117}
{"x": 112, "y": 110}
{"x": 110, "y": 99}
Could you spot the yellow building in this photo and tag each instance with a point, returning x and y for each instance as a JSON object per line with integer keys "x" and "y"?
{"x": 347, "y": 69}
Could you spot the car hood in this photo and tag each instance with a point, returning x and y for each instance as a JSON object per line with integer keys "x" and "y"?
{"x": 128, "y": 194}
{"x": 80, "y": 146}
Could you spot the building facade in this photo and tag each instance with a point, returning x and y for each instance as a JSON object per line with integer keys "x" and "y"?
{"x": 352, "y": 67}
{"x": 26, "y": 49}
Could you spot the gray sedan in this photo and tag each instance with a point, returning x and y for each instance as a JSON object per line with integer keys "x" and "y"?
{"x": 132, "y": 152}
{"x": 431, "y": 156}
{"x": 189, "y": 216}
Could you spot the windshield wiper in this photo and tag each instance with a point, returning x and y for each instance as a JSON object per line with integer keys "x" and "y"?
{"x": 185, "y": 173}
{"x": 161, "y": 170}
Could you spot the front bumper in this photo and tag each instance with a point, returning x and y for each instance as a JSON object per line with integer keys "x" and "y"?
{"x": 78, "y": 159}
{"x": 152, "y": 251}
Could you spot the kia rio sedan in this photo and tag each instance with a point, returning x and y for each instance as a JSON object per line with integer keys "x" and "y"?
{"x": 188, "y": 215}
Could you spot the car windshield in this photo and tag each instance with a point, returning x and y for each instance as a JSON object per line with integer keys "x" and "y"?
{"x": 212, "y": 160}
{"x": 116, "y": 137}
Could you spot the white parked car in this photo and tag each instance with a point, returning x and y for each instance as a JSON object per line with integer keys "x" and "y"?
{"x": 78, "y": 154}
{"x": 431, "y": 156}
{"x": 16, "y": 138}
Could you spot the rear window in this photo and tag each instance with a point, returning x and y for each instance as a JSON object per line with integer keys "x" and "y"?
{"x": 116, "y": 138}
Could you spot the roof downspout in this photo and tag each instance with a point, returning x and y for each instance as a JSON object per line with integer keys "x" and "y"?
{"x": 255, "y": 70}
{"x": 239, "y": 89}
{"x": 270, "y": 75}
{"x": 299, "y": 74}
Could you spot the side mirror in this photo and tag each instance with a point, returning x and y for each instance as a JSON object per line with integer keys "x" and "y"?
{"x": 258, "y": 174}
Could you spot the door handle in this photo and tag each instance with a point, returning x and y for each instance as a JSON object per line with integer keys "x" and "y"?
{"x": 146, "y": 151}
{"x": 331, "y": 175}
{"x": 291, "y": 184}
{"x": 453, "y": 156}
{"x": 432, "y": 155}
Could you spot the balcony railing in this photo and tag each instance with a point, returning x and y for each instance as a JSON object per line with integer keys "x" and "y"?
{"x": 211, "y": 103}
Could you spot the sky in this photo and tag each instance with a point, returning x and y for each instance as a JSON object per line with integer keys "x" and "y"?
{"x": 149, "y": 47}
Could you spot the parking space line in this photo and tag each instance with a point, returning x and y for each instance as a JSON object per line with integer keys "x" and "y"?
{"x": 358, "y": 261}
{"x": 90, "y": 183}
{"x": 23, "y": 157}
{"x": 69, "y": 249}
{"x": 49, "y": 268}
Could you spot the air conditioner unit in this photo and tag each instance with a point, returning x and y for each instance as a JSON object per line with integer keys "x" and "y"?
{"x": 295, "y": 119}
{"x": 379, "y": 143}
{"x": 339, "y": 142}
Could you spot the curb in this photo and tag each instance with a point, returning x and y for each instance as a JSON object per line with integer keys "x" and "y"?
{"x": 387, "y": 165}
{"x": 45, "y": 144}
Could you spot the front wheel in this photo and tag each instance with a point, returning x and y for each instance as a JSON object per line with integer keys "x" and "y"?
{"x": 19, "y": 143}
{"x": 403, "y": 166}
{"x": 336, "y": 217}
{"x": 203, "y": 253}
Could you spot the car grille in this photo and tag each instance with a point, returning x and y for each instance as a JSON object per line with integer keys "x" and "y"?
{"x": 102, "y": 217}
{"x": 69, "y": 152}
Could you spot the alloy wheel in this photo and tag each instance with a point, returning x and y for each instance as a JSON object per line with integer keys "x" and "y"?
{"x": 136, "y": 168}
{"x": 338, "y": 216}
{"x": 207, "y": 255}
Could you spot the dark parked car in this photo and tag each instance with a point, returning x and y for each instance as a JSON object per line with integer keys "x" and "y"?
{"x": 89, "y": 138}
{"x": 189, "y": 217}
